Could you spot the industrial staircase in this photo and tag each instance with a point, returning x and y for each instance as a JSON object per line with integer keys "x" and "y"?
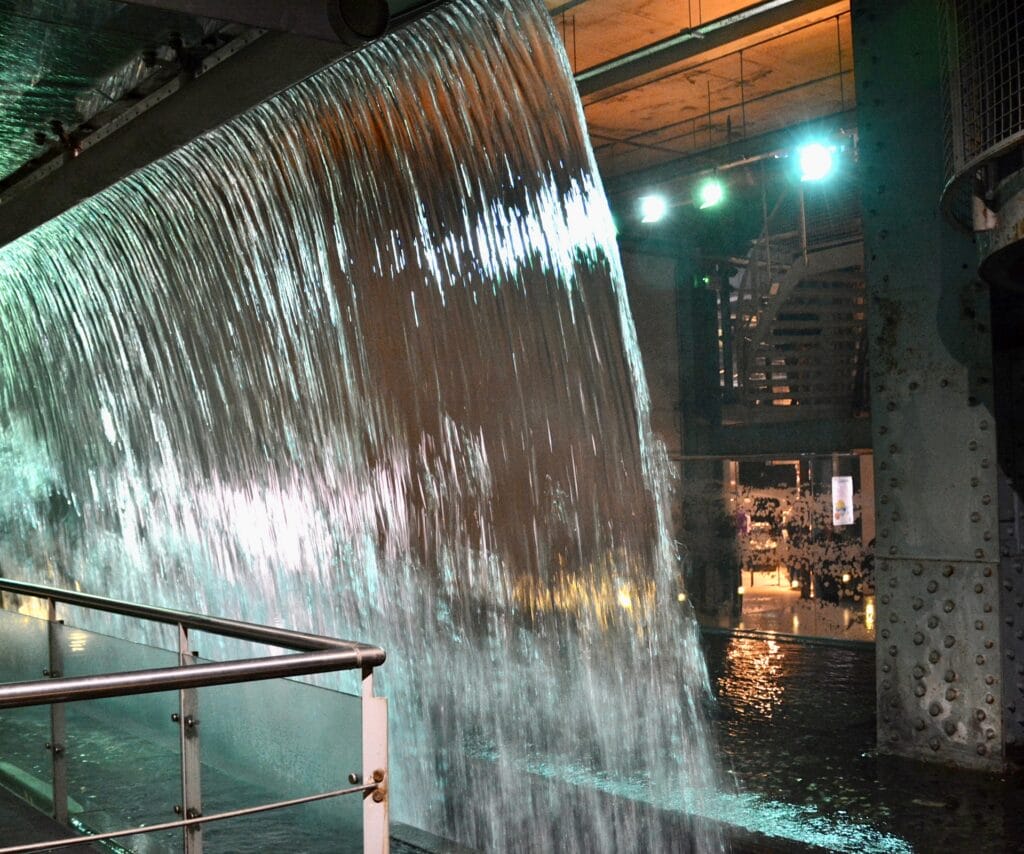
{"x": 799, "y": 314}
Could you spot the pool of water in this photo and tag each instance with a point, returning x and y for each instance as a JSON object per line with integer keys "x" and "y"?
{"x": 795, "y": 722}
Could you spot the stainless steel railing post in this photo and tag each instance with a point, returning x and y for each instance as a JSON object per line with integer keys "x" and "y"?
{"x": 187, "y": 718}
{"x": 57, "y": 744}
{"x": 376, "y": 830}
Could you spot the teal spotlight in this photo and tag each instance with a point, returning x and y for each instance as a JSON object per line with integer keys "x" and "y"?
{"x": 653, "y": 208}
{"x": 816, "y": 161}
{"x": 710, "y": 193}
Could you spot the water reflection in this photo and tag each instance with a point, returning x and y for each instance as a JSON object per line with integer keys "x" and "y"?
{"x": 752, "y": 675}
{"x": 771, "y": 603}
{"x": 77, "y": 640}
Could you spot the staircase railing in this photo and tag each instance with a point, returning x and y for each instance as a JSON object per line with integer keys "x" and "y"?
{"x": 314, "y": 654}
{"x": 817, "y": 233}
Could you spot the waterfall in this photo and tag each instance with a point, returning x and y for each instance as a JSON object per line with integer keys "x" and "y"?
{"x": 361, "y": 363}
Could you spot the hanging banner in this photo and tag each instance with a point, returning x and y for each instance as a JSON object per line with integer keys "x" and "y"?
{"x": 842, "y": 500}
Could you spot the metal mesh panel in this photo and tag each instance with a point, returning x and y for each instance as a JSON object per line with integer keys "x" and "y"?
{"x": 984, "y": 79}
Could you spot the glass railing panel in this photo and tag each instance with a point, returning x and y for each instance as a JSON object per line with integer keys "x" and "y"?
{"x": 123, "y": 756}
{"x": 260, "y": 742}
{"x": 25, "y": 763}
{"x": 276, "y": 740}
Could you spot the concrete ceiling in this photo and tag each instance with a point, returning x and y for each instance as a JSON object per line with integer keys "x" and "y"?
{"x": 737, "y": 85}
{"x": 662, "y": 80}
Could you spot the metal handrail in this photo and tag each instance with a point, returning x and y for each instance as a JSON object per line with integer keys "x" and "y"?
{"x": 201, "y": 622}
{"x": 316, "y": 655}
{"x": 69, "y": 689}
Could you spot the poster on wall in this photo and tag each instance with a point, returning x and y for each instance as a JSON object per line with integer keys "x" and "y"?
{"x": 842, "y": 500}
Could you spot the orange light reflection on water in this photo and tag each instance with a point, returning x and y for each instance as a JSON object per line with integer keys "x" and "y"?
{"x": 752, "y": 674}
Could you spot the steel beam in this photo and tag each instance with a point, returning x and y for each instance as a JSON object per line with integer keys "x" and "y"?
{"x": 351, "y": 22}
{"x": 789, "y": 438}
{"x": 230, "y": 82}
{"x": 693, "y": 42}
{"x": 335, "y": 21}
{"x": 233, "y": 79}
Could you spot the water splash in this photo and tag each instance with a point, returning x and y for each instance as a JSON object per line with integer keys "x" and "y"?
{"x": 361, "y": 363}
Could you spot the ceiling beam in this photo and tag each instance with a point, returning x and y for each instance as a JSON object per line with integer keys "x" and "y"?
{"x": 797, "y": 435}
{"x": 351, "y": 22}
{"x": 693, "y": 42}
{"x": 562, "y": 8}
{"x": 231, "y": 80}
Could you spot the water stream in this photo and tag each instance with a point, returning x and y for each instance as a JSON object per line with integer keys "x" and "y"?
{"x": 361, "y": 363}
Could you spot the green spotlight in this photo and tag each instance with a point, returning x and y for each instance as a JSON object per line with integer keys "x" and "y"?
{"x": 815, "y": 161}
{"x": 652, "y": 208}
{"x": 710, "y": 193}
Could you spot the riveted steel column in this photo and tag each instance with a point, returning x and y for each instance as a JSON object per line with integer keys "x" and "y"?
{"x": 1010, "y": 388}
{"x": 937, "y": 559}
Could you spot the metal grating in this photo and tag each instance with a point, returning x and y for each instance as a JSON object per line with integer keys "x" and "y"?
{"x": 984, "y": 80}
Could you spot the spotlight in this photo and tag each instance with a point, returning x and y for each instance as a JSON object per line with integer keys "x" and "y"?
{"x": 652, "y": 208}
{"x": 710, "y": 193}
{"x": 815, "y": 161}
{"x": 740, "y": 590}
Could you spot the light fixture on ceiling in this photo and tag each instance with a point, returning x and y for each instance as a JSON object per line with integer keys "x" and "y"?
{"x": 710, "y": 193}
{"x": 653, "y": 208}
{"x": 816, "y": 161}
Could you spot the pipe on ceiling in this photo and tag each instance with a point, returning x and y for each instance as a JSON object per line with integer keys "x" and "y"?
{"x": 350, "y": 22}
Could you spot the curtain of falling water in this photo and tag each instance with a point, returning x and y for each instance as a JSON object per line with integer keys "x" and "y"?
{"x": 361, "y": 363}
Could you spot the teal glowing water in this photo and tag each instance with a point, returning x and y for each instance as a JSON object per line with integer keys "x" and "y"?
{"x": 361, "y": 363}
